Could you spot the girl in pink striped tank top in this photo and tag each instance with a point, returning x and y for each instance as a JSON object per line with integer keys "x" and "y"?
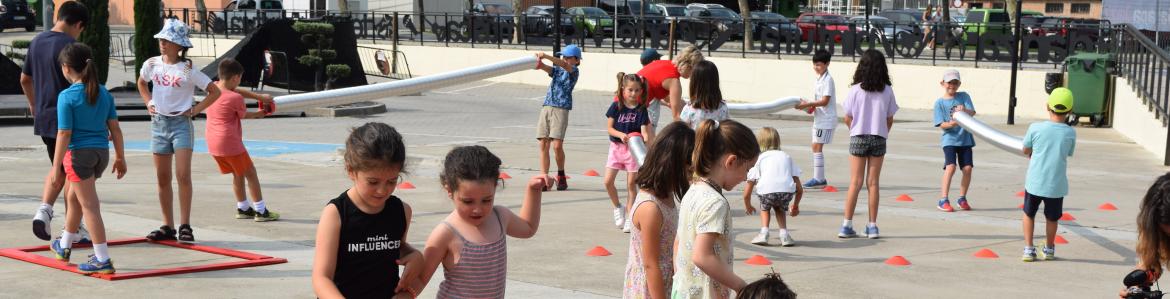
{"x": 471, "y": 242}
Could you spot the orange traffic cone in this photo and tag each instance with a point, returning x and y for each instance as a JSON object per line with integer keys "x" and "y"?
{"x": 591, "y": 172}
{"x": 406, "y": 186}
{"x": 897, "y": 260}
{"x": 1060, "y": 240}
{"x": 598, "y": 251}
{"x": 986, "y": 253}
{"x": 830, "y": 188}
{"x": 1020, "y": 194}
{"x": 504, "y": 176}
{"x": 1107, "y": 207}
{"x": 904, "y": 197}
{"x": 1067, "y": 217}
{"x": 758, "y": 260}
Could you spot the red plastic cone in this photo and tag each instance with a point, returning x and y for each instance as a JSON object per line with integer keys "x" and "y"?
{"x": 897, "y": 260}
{"x": 1021, "y": 206}
{"x": 504, "y": 176}
{"x": 758, "y": 260}
{"x": 986, "y": 253}
{"x": 591, "y": 172}
{"x": 1020, "y": 194}
{"x": 598, "y": 251}
{"x": 904, "y": 197}
{"x": 1067, "y": 217}
{"x": 406, "y": 186}
{"x": 1060, "y": 240}
{"x": 830, "y": 189}
{"x": 1107, "y": 207}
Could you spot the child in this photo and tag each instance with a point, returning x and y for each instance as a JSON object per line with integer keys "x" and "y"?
{"x": 769, "y": 287}
{"x": 778, "y": 179}
{"x": 42, "y": 81}
{"x": 554, "y": 116}
{"x": 723, "y": 153}
{"x": 649, "y": 272}
{"x": 361, "y": 237}
{"x": 226, "y": 144}
{"x": 1048, "y": 146}
{"x": 956, "y": 141}
{"x": 824, "y": 110}
{"x": 86, "y": 122}
{"x": 706, "y": 99}
{"x": 869, "y": 113}
{"x": 172, "y": 133}
{"x": 472, "y": 241}
{"x": 625, "y": 117}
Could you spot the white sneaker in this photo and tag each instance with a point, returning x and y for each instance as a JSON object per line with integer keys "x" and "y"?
{"x": 82, "y": 235}
{"x": 786, "y": 240}
{"x": 626, "y": 227}
{"x": 41, "y": 222}
{"x": 619, "y": 217}
{"x": 761, "y": 239}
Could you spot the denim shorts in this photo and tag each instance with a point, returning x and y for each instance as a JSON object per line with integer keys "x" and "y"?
{"x": 170, "y": 133}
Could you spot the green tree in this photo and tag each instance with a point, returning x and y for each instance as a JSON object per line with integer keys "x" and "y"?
{"x": 147, "y": 22}
{"x": 97, "y": 35}
{"x": 316, "y": 36}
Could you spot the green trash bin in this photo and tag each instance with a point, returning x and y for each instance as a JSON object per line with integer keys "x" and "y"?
{"x": 1091, "y": 82}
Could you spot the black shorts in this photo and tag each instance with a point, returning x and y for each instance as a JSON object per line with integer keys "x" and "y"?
{"x": 867, "y": 146}
{"x": 1053, "y": 207}
{"x": 960, "y": 154}
{"x": 50, "y": 147}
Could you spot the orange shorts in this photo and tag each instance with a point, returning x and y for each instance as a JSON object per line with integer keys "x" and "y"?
{"x": 238, "y": 164}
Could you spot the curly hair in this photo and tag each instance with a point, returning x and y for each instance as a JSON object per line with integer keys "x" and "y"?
{"x": 687, "y": 59}
{"x": 871, "y": 72}
{"x": 1153, "y": 246}
{"x": 473, "y": 163}
{"x": 769, "y": 287}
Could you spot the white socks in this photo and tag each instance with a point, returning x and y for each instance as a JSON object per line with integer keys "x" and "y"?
{"x": 242, "y": 205}
{"x": 259, "y": 206}
{"x": 783, "y": 231}
{"x": 871, "y": 224}
{"x": 819, "y": 166}
{"x": 101, "y": 252}
{"x": 764, "y": 230}
{"x": 847, "y": 223}
{"x": 66, "y": 240}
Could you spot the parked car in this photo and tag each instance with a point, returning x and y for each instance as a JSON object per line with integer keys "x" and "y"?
{"x": 16, "y": 14}
{"x": 1083, "y": 27}
{"x": 1035, "y": 25}
{"x": 982, "y": 21}
{"x": 775, "y": 21}
{"x": 809, "y": 21}
{"x": 593, "y": 19}
{"x": 538, "y": 20}
{"x": 672, "y": 11}
{"x": 884, "y": 29}
{"x": 708, "y": 20}
{"x": 911, "y": 18}
{"x": 243, "y": 14}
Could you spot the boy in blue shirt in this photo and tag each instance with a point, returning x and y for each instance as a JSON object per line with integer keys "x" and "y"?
{"x": 1048, "y": 146}
{"x": 554, "y": 116}
{"x": 956, "y": 141}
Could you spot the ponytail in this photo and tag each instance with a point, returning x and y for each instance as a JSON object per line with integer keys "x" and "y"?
{"x": 89, "y": 77}
{"x": 621, "y": 77}
{"x": 713, "y": 139}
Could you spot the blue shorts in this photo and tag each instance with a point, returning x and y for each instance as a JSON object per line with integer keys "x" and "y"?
{"x": 1053, "y": 207}
{"x": 170, "y": 133}
{"x": 959, "y": 154}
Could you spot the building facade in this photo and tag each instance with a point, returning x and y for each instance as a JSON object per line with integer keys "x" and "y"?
{"x": 1086, "y": 9}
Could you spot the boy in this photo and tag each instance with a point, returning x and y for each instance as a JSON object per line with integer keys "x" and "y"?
{"x": 823, "y": 107}
{"x": 1048, "y": 146}
{"x": 956, "y": 141}
{"x": 554, "y": 116}
{"x": 225, "y": 141}
{"x": 41, "y": 80}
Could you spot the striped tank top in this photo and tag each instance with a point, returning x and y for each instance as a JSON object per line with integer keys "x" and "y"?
{"x": 481, "y": 270}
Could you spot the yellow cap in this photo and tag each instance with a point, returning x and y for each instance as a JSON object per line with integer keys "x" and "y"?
{"x": 1060, "y": 100}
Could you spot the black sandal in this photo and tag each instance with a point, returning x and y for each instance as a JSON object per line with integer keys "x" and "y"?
{"x": 186, "y": 235}
{"x": 163, "y": 233}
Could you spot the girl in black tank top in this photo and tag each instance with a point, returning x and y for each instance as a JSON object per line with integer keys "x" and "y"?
{"x": 368, "y": 247}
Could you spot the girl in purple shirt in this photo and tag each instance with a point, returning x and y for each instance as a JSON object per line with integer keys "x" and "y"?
{"x": 869, "y": 113}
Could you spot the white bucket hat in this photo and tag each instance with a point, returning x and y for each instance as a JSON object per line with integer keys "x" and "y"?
{"x": 176, "y": 32}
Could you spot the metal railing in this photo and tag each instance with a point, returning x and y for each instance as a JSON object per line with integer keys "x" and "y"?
{"x": 1144, "y": 65}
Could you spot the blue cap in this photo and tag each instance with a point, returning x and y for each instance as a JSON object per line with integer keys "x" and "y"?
{"x": 650, "y": 55}
{"x": 571, "y": 51}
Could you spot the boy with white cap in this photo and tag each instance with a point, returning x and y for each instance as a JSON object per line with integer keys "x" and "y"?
{"x": 956, "y": 141}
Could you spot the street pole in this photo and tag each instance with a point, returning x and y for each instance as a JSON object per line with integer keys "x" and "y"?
{"x": 1157, "y": 23}
{"x": 47, "y": 14}
{"x": 557, "y": 20}
{"x": 1011, "y": 120}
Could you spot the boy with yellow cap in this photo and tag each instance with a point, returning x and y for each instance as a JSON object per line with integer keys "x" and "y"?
{"x": 1048, "y": 145}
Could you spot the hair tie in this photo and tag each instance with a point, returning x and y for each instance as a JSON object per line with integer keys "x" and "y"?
{"x": 716, "y": 123}
{"x": 87, "y": 60}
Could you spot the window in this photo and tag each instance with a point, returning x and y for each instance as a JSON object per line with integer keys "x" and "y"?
{"x": 975, "y": 5}
{"x": 1054, "y": 8}
{"x": 1080, "y": 8}
{"x": 999, "y": 5}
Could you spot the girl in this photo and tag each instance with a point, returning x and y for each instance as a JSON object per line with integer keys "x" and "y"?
{"x": 869, "y": 113}
{"x": 706, "y": 99}
{"x": 361, "y": 237}
{"x": 1153, "y": 223}
{"x": 929, "y": 17}
{"x": 778, "y": 179}
{"x": 86, "y": 122}
{"x": 472, "y": 241}
{"x": 172, "y": 134}
{"x": 723, "y": 153}
{"x": 655, "y": 213}
{"x": 625, "y": 117}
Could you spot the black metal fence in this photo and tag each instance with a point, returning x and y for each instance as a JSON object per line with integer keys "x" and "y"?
{"x": 973, "y": 42}
{"x": 1145, "y": 67}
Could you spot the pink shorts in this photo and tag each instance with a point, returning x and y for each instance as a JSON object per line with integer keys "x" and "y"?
{"x": 620, "y": 158}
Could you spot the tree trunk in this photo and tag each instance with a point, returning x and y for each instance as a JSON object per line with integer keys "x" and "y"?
{"x": 746, "y": 11}
{"x": 1011, "y": 10}
{"x": 517, "y": 32}
{"x": 201, "y": 9}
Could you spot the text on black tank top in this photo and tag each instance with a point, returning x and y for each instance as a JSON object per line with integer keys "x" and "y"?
{"x": 367, "y": 248}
